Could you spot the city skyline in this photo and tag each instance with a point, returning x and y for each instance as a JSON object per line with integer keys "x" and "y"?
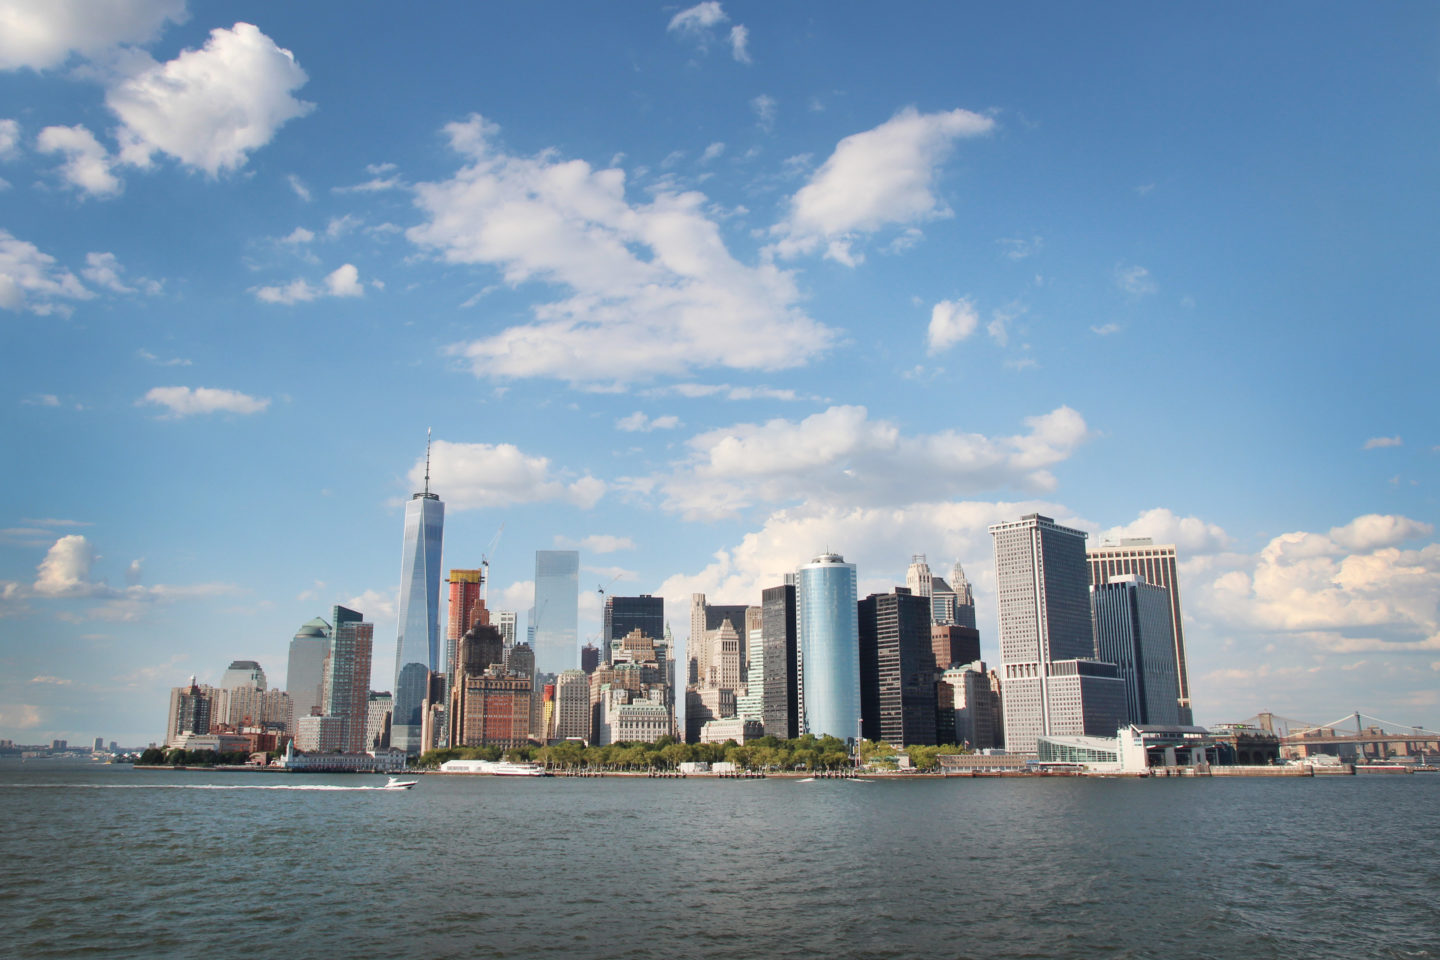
{"x": 735, "y": 287}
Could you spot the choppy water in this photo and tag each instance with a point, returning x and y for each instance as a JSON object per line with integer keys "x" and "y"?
{"x": 107, "y": 861}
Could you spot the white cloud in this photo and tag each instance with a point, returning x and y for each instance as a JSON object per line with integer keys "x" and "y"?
{"x": 209, "y": 108}
{"x": 638, "y": 421}
{"x": 29, "y": 279}
{"x": 65, "y": 571}
{"x": 1105, "y": 330}
{"x": 740, "y": 43}
{"x": 1375, "y": 531}
{"x": 653, "y": 291}
{"x": 764, "y": 106}
{"x": 43, "y": 33}
{"x": 189, "y": 401}
{"x": 42, "y": 400}
{"x": 298, "y": 236}
{"x": 1379, "y": 443}
{"x": 473, "y": 476}
{"x": 103, "y": 270}
{"x": 950, "y": 322}
{"x": 9, "y": 137}
{"x": 376, "y": 606}
{"x": 344, "y": 281}
{"x": 712, "y": 152}
{"x": 1134, "y": 279}
{"x": 87, "y": 163}
{"x": 1190, "y": 535}
{"x": 698, "y": 19}
{"x": 722, "y": 390}
{"x": 596, "y": 543}
{"x": 842, "y": 455}
{"x": 298, "y": 185}
{"x": 875, "y": 178}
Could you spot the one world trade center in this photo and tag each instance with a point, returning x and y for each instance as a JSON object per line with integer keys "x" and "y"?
{"x": 417, "y": 646}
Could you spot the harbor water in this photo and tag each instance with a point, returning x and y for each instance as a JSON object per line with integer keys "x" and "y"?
{"x": 108, "y": 861}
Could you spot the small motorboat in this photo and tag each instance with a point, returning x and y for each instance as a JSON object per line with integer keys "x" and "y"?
{"x": 395, "y": 783}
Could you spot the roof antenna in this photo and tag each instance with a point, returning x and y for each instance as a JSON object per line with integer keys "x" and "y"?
{"x": 427, "y": 461}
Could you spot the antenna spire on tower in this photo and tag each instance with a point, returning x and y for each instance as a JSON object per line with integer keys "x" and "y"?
{"x": 427, "y": 460}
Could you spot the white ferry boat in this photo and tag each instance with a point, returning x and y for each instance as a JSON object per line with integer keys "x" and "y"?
{"x": 495, "y": 768}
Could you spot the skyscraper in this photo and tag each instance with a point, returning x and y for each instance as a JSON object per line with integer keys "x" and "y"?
{"x": 1052, "y": 683}
{"x": 465, "y": 590}
{"x": 964, "y": 597}
{"x": 417, "y": 645}
{"x": 782, "y": 695}
{"x": 306, "y": 670}
{"x": 1132, "y": 631}
{"x": 1156, "y": 563}
{"x": 897, "y": 669}
{"x": 623, "y": 614}
{"x": 557, "y": 610}
{"x": 243, "y": 673}
{"x": 918, "y": 578}
{"x": 705, "y": 618}
{"x": 829, "y": 646}
{"x": 346, "y": 693}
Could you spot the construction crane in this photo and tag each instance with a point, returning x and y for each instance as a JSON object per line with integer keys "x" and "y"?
{"x": 485, "y": 563}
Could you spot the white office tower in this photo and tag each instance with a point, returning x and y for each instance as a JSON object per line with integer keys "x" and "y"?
{"x": 1132, "y": 631}
{"x": 918, "y": 577}
{"x": 1053, "y": 684}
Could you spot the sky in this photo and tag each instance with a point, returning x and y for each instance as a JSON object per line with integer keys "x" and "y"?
{"x": 702, "y": 292}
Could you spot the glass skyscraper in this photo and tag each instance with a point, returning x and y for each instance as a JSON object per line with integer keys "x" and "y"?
{"x": 557, "y": 608}
{"x": 417, "y": 646}
{"x": 829, "y": 646}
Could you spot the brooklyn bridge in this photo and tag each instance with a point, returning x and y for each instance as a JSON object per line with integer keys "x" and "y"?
{"x": 1355, "y": 737}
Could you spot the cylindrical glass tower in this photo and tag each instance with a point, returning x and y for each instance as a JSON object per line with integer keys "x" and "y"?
{"x": 829, "y": 646}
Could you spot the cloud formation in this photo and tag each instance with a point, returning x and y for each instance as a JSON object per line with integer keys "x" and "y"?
{"x": 639, "y": 422}
{"x": 950, "y": 322}
{"x": 31, "y": 281}
{"x": 1379, "y": 443}
{"x": 41, "y": 34}
{"x": 344, "y": 281}
{"x": 473, "y": 476}
{"x": 87, "y": 165}
{"x": 880, "y": 177}
{"x": 192, "y": 401}
{"x": 652, "y": 289}
{"x": 841, "y": 455}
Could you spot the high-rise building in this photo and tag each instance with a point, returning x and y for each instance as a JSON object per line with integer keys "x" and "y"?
{"x": 417, "y": 644}
{"x": 781, "y": 680}
{"x": 306, "y": 670}
{"x": 828, "y": 629}
{"x": 346, "y": 688}
{"x": 572, "y": 706}
{"x": 942, "y": 601}
{"x": 504, "y": 621}
{"x": 972, "y": 704}
{"x": 243, "y": 673}
{"x": 704, "y": 619}
{"x": 1157, "y": 564}
{"x": 1132, "y": 631}
{"x": 189, "y": 711}
{"x": 557, "y": 610}
{"x": 897, "y": 669}
{"x": 964, "y": 597}
{"x": 466, "y": 587}
{"x": 377, "y": 720}
{"x": 623, "y": 614}
{"x": 918, "y": 578}
{"x": 1052, "y": 683}
{"x": 589, "y": 658}
{"x": 954, "y": 644}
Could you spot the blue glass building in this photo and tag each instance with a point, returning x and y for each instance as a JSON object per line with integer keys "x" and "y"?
{"x": 557, "y": 607}
{"x": 825, "y": 601}
{"x": 417, "y": 647}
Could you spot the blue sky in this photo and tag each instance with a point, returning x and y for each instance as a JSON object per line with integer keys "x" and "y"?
{"x": 703, "y": 292}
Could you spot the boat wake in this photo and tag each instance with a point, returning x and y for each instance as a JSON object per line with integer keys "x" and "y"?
{"x": 303, "y": 787}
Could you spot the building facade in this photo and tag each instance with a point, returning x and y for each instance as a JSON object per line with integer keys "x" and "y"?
{"x": 1157, "y": 564}
{"x": 781, "y": 676}
{"x": 954, "y": 644}
{"x": 829, "y": 634}
{"x": 624, "y": 614}
{"x": 346, "y": 688}
{"x": 466, "y": 589}
{"x": 417, "y": 642}
{"x": 1132, "y": 631}
{"x": 897, "y": 669}
{"x": 557, "y": 604}
{"x": 305, "y": 673}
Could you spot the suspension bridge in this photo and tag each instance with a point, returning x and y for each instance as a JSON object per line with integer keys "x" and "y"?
{"x": 1356, "y": 736}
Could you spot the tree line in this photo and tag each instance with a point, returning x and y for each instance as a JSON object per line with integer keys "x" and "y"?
{"x": 766, "y": 753}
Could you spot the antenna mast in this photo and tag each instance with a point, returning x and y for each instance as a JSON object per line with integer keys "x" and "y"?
{"x": 427, "y": 460}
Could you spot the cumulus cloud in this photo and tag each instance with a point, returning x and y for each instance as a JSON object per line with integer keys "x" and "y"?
{"x": 40, "y": 34}
{"x": 65, "y": 573}
{"x": 842, "y": 455}
{"x": 87, "y": 163}
{"x": 698, "y": 19}
{"x": 740, "y": 43}
{"x": 764, "y": 106}
{"x": 1352, "y": 591}
{"x": 30, "y": 280}
{"x": 950, "y": 322}
{"x": 209, "y": 108}
{"x": 638, "y": 422}
{"x": 9, "y": 137}
{"x": 652, "y": 289}
{"x": 1378, "y": 443}
{"x": 876, "y": 178}
{"x": 104, "y": 270}
{"x": 189, "y": 401}
{"x": 1190, "y": 535}
{"x": 344, "y": 281}
{"x": 474, "y": 476}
